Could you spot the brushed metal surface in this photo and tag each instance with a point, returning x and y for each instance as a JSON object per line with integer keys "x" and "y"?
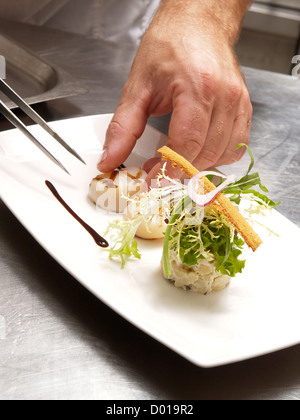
{"x": 293, "y": 4}
{"x": 35, "y": 79}
{"x": 57, "y": 341}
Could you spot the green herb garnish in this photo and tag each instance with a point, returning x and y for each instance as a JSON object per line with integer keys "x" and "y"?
{"x": 194, "y": 233}
{"x": 214, "y": 239}
{"x": 122, "y": 235}
{"x": 245, "y": 186}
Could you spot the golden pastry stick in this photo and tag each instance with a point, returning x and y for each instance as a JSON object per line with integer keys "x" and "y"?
{"x": 221, "y": 203}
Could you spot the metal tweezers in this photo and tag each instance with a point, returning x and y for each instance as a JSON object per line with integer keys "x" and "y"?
{"x": 11, "y": 117}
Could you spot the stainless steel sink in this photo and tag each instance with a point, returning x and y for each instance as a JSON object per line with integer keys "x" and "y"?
{"x": 32, "y": 77}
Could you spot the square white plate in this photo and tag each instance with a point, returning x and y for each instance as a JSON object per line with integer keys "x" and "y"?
{"x": 256, "y": 315}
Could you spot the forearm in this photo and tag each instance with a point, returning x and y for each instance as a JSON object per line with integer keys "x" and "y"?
{"x": 217, "y": 18}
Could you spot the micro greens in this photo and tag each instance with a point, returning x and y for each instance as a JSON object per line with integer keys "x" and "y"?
{"x": 213, "y": 239}
{"x": 193, "y": 232}
{"x": 245, "y": 186}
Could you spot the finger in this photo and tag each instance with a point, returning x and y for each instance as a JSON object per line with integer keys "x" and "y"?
{"x": 187, "y": 132}
{"x": 189, "y": 126}
{"x": 220, "y": 129}
{"x": 217, "y": 140}
{"x": 149, "y": 164}
{"x": 240, "y": 134}
{"x": 126, "y": 127}
{"x": 173, "y": 173}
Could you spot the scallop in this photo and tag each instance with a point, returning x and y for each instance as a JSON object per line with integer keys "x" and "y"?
{"x": 110, "y": 191}
{"x": 155, "y": 226}
{"x": 154, "y": 230}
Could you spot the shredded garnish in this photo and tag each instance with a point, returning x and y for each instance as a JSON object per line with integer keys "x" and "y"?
{"x": 157, "y": 202}
{"x": 213, "y": 239}
{"x": 122, "y": 234}
{"x": 194, "y": 231}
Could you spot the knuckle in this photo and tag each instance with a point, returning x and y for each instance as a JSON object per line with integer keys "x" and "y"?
{"x": 235, "y": 92}
{"x": 192, "y": 143}
{"x": 189, "y": 147}
{"x": 128, "y": 90}
{"x": 240, "y": 116}
{"x": 246, "y": 101}
{"x": 115, "y": 128}
{"x": 210, "y": 157}
{"x": 210, "y": 84}
{"x": 233, "y": 156}
{"x": 135, "y": 93}
{"x": 246, "y": 96}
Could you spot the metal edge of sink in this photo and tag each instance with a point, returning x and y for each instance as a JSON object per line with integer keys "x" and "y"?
{"x": 53, "y": 82}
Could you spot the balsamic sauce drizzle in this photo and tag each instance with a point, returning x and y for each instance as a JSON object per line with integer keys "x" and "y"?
{"x": 97, "y": 238}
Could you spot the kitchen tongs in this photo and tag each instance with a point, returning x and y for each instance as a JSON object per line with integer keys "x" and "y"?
{"x": 11, "y": 117}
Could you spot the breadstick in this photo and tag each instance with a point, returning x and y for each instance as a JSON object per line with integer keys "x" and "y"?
{"x": 221, "y": 203}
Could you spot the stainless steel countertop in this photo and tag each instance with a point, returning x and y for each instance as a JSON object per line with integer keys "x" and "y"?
{"x": 59, "y": 341}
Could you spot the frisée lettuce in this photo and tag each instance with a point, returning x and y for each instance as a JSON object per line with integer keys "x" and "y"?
{"x": 193, "y": 232}
{"x": 245, "y": 185}
{"x": 196, "y": 234}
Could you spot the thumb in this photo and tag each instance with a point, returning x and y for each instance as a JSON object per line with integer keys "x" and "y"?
{"x": 126, "y": 127}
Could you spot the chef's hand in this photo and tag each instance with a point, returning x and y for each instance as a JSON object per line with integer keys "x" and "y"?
{"x": 186, "y": 65}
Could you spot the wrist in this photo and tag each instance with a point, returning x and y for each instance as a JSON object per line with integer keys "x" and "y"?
{"x": 218, "y": 18}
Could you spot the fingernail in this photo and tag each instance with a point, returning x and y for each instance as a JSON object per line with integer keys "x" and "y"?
{"x": 103, "y": 156}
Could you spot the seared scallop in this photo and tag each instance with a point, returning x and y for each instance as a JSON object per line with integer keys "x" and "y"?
{"x": 111, "y": 190}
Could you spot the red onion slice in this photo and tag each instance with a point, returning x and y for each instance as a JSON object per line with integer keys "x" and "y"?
{"x": 203, "y": 200}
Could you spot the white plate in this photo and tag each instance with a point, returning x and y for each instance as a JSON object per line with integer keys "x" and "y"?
{"x": 257, "y": 314}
